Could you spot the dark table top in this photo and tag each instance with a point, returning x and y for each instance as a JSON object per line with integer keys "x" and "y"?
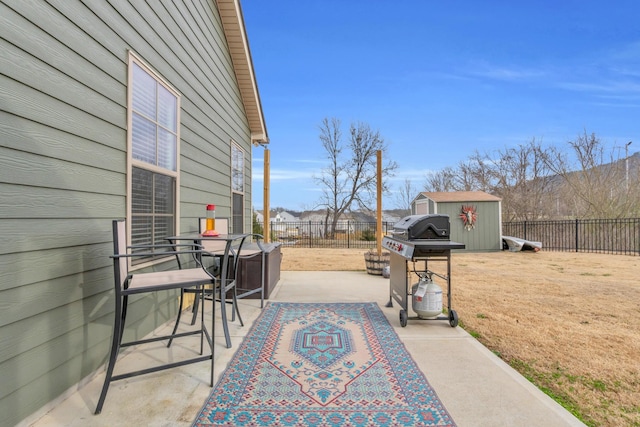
{"x": 198, "y": 236}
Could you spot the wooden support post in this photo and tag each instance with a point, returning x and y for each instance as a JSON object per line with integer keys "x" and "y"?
{"x": 379, "y": 207}
{"x": 265, "y": 203}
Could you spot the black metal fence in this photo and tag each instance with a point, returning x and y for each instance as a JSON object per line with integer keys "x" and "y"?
{"x": 316, "y": 234}
{"x": 612, "y": 236}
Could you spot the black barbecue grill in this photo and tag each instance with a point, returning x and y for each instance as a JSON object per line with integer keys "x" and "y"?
{"x": 423, "y": 227}
{"x": 419, "y": 239}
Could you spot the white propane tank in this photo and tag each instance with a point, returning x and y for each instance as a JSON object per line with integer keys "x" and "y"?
{"x": 386, "y": 271}
{"x": 427, "y": 298}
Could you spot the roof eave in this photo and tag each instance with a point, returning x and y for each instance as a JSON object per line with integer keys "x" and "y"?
{"x": 236, "y": 35}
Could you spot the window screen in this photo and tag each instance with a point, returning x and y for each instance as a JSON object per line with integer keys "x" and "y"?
{"x": 237, "y": 169}
{"x": 154, "y": 152}
{"x": 237, "y": 187}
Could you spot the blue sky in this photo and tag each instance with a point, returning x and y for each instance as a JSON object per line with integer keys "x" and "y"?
{"x": 438, "y": 79}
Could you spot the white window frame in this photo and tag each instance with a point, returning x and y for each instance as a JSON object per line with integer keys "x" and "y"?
{"x": 237, "y": 172}
{"x": 132, "y": 163}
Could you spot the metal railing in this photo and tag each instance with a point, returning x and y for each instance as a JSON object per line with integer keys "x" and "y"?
{"x": 317, "y": 234}
{"x": 612, "y": 236}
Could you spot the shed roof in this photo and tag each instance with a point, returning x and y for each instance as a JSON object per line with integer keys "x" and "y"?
{"x": 460, "y": 196}
{"x": 235, "y": 32}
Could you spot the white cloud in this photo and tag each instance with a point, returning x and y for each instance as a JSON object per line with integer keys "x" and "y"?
{"x": 604, "y": 87}
{"x": 611, "y": 78}
{"x": 301, "y": 170}
{"x": 417, "y": 176}
{"x": 503, "y": 73}
{"x": 283, "y": 174}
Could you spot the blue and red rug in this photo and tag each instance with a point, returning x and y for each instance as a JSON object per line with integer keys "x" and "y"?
{"x": 322, "y": 365}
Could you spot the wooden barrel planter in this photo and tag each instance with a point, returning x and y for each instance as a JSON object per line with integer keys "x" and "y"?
{"x": 375, "y": 263}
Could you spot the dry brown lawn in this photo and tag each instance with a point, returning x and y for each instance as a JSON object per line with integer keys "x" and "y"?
{"x": 569, "y": 322}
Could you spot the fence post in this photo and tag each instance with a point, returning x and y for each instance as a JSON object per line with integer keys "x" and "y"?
{"x": 348, "y": 234}
{"x": 577, "y": 235}
{"x": 525, "y": 230}
{"x": 310, "y": 235}
{"x": 271, "y": 232}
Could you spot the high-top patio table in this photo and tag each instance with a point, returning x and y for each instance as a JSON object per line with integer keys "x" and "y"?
{"x": 231, "y": 242}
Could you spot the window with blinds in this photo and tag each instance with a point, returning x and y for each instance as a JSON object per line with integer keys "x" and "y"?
{"x": 153, "y": 174}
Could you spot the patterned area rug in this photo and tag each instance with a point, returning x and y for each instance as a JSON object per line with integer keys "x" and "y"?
{"x": 322, "y": 365}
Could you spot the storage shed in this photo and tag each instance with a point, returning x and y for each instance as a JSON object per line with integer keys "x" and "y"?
{"x": 475, "y": 216}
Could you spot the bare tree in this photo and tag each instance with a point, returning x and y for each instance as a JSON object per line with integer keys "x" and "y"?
{"x": 482, "y": 174}
{"x": 349, "y": 180}
{"x": 472, "y": 174}
{"x": 593, "y": 180}
{"x": 535, "y": 182}
{"x": 522, "y": 180}
{"x": 405, "y": 195}
{"x": 466, "y": 177}
{"x": 443, "y": 180}
{"x": 518, "y": 175}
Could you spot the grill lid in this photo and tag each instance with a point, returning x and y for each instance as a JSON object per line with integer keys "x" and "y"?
{"x": 429, "y": 227}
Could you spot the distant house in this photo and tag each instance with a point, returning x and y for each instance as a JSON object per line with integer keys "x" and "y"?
{"x": 313, "y": 216}
{"x": 125, "y": 109}
{"x": 284, "y": 216}
{"x": 360, "y": 216}
{"x": 285, "y": 224}
{"x": 390, "y": 219}
{"x": 475, "y": 216}
{"x": 277, "y": 216}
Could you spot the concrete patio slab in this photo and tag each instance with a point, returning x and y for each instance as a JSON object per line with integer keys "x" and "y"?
{"x": 477, "y": 388}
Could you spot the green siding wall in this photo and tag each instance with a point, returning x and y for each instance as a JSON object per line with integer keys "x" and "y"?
{"x": 63, "y": 77}
{"x": 486, "y": 236}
